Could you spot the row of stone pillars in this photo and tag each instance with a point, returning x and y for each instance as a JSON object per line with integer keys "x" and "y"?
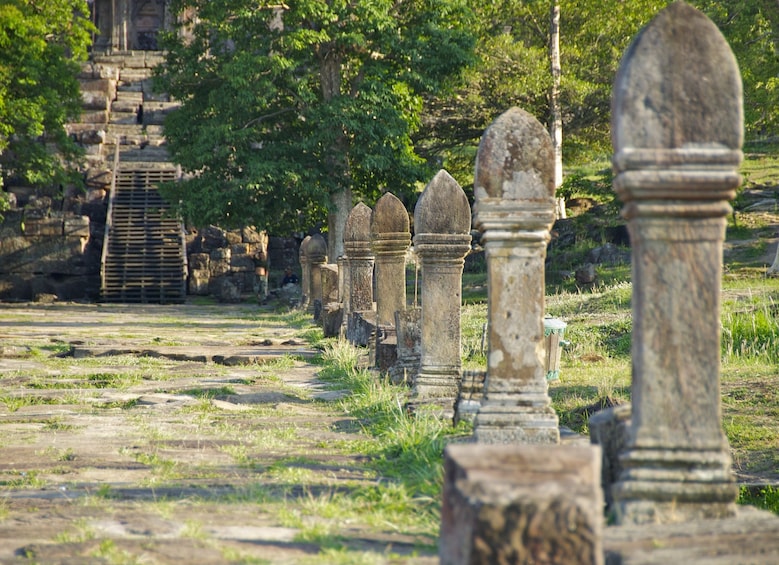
{"x": 376, "y": 247}
{"x": 514, "y": 210}
{"x": 677, "y": 134}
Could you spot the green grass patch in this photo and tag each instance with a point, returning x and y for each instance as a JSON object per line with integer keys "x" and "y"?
{"x": 209, "y": 393}
{"x": 766, "y": 497}
{"x": 407, "y": 449}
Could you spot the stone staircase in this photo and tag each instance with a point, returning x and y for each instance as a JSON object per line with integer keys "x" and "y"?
{"x": 144, "y": 252}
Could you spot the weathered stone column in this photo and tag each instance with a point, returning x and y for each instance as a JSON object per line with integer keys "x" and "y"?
{"x": 305, "y": 275}
{"x": 521, "y": 504}
{"x": 358, "y": 261}
{"x": 390, "y": 238}
{"x": 316, "y": 253}
{"x": 677, "y": 134}
{"x": 121, "y": 19}
{"x": 514, "y": 209}
{"x": 442, "y": 222}
{"x": 343, "y": 292}
{"x": 331, "y": 313}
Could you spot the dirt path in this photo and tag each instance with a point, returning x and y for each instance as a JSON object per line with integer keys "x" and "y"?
{"x": 135, "y": 434}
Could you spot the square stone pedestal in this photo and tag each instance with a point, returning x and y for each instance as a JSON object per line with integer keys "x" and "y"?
{"x": 521, "y": 504}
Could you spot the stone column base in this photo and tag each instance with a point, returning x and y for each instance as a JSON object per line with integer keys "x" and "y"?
{"x": 521, "y": 504}
{"x": 498, "y": 424}
{"x": 673, "y": 485}
{"x": 609, "y": 428}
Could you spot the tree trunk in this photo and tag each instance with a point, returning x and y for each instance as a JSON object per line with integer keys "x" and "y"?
{"x": 336, "y": 222}
{"x": 773, "y": 270}
{"x": 341, "y": 200}
{"x": 771, "y": 13}
{"x": 555, "y": 111}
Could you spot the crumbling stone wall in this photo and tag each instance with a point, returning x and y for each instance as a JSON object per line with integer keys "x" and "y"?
{"x": 227, "y": 263}
{"x": 50, "y": 248}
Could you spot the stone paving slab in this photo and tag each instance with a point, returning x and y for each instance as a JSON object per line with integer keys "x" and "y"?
{"x": 158, "y": 469}
{"x": 222, "y": 355}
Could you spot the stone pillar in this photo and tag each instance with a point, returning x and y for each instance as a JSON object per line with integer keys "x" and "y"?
{"x": 514, "y": 209}
{"x": 332, "y": 311}
{"x": 609, "y": 429}
{"x": 521, "y": 504}
{"x": 358, "y": 261}
{"x": 408, "y": 330}
{"x": 390, "y": 239}
{"x": 121, "y": 23}
{"x": 343, "y": 292}
{"x": 677, "y": 134}
{"x": 305, "y": 275}
{"x": 316, "y": 252}
{"x": 442, "y": 224}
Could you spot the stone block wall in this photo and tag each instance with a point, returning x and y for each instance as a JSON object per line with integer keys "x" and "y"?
{"x": 227, "y": 263}
{"x": 50, "y": 249}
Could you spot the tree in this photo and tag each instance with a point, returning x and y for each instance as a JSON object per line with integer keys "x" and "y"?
{"x": 41, "y": 44}
{"x": 518, "y": 67}
{"x": 752, "y": 30}
{"x": 292, "y": 110}
{"x": 555, "y": 110}
{"x": 512, "y": 70}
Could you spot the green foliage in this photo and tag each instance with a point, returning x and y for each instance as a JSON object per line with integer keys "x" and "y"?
{"x": 752, "y": 30}
{"x": 408, "y": 448}
{"x": 595, "y": 185}
{"x": 752, "y": 332}
{"x": 286, "y": 105}
{"x": 41, "y": 44}
{"x": 514, "y": 70}
{"x": 766, "y": 497}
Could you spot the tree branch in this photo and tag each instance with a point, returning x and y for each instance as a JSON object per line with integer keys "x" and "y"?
{"x": 266, "y": 117}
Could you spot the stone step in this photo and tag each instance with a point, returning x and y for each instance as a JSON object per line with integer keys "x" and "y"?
{"x": 750, "y": 537}
{"x": 95, "y": 101}
{"x": 126, "y": 118}
{"x": 137, "y": 139}
{"x": 136, "y": 86}
{"x": 161, "y": 170}
{"x": 134, "y": 129}
{"x": 132, "y": 59}
{"x": 94, "y": 86}
{"x": 147, "y": 153}
{"x": 154, "y": 112}
{"x": 129, "y": 75}
{"x": 128, "y": 97}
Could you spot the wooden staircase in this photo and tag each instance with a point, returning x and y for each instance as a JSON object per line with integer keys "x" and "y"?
{"x": 144, "y": 251}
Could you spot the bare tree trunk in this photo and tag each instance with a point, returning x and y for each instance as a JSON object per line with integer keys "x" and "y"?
{"x": 336, "y": 223}
{"x": 556, "y": 114}
{"x": 773, "y": 270}
{"x": 341, "y": 201}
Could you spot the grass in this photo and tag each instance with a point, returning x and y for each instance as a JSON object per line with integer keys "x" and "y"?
{"x": 766, "y": 498}
{"x": 108, "y": 552}
{"x": 374, "y": 469}
{"x": 209, "y": 393}
{"x": 596, "y": 366}
{"x": 406, "y": 450}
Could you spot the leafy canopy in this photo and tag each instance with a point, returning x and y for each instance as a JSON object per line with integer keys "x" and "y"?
{"x": 514, "y": 70}
{"x": 41, "y": 44}
{"x": 285, "y": 105}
